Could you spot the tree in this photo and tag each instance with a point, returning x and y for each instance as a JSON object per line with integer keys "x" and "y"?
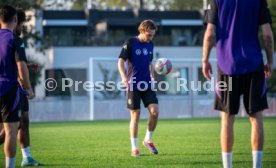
{"x": 103, "y": 4}
{"x": 25, "y": 4}
{"x": 186, "y": 5}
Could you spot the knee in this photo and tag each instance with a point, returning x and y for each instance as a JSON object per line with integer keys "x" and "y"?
{"x": 252, "y": 120}
{"x": 256, "y": 118}
{"x": 10, "y": 133}
{"x": 154, "y": 113}
{"x": 255, "y": 121}
{"x": 135, "y": 116}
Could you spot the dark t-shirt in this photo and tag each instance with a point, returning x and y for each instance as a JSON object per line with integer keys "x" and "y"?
{"x": 237, "y": 24}
{"x": 138, "y": 56}
{"x": 12, "y": 49}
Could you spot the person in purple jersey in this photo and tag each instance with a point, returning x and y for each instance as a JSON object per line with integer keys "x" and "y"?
{"x": 23, "y": 132}
{"x": 138, "y": 53}
{"x": 12, "y": 67}
{"x": 235, "y": 25}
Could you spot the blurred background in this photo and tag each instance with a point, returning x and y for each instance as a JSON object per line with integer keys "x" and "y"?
{"x": 82, "y": 39}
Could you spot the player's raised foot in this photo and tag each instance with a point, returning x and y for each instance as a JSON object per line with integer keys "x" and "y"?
{"x": 29, "y": 161}
{"x": 150, "y": 146}
{"x": 135, "y": 153}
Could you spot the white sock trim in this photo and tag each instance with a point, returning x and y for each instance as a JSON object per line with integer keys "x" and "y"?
{"x": 10, "y": 162}
{"x": 148, "y": 136}
{"x": 134, "y": 143}
{"x": 227, "y": 159}
{"x": 257, "y": 159}
{"x": 26, "y": 152}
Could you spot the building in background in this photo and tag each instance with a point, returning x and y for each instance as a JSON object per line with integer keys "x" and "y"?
{"x": 112, "y": 27}
{"x": 84, "y": 46}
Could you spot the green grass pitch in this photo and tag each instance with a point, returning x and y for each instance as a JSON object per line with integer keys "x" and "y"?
{"x": 181, "y": 143}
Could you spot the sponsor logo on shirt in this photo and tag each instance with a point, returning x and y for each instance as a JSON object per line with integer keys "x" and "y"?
{"x": 138, "y": 52}
{"x": 145, "y": 51}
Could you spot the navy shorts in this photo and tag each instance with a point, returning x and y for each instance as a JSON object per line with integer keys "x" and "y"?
{"x": 10, "y": 105}
{"x": 134, "y": 98}
{"x": 251, "y": 85}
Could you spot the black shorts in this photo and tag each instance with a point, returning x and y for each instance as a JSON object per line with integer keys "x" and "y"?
{"x": 24, "y": 103}
{"x": 251, "y": 85}
{"x": 9, "y": 105}
{"x": 134, "y": 98}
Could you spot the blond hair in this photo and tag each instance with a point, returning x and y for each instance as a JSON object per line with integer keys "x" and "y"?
{"x": 147, "y": 25}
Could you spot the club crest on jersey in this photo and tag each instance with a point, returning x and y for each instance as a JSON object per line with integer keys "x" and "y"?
{"x": 145, "y": 51}
{"x": 138, "y": 52}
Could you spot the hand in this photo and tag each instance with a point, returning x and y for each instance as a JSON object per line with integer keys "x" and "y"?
{"x": 267, "y": 70}
{"x": 207, "y": 69}
{"x": 30, "y": 93}
{"x": 125, "y": 82}
{"x": 153, "y": 82}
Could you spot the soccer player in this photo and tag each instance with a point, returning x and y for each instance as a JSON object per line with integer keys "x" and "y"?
{"x": 23, "y": 132}
{"x": 12, "y": 66}
{"x": 235, "y": 26}
{"x": 138, "y": 53}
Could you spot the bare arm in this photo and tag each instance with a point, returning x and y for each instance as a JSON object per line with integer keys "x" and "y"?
{"x": 208, "y": 42}
{"x": 122, "y": 72}
{"x": 23, "y": 75}
{"x": 269, "y": 48}
{"x": 268, "y": 42}
{"x": 151, "y": 70}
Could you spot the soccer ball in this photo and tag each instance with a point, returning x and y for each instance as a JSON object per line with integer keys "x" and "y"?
{"x": 163, "y": 66}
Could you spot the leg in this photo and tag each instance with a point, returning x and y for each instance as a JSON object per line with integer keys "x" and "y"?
{"x": 2, "y": 134}
{"x": 255, "y": 102}
{"x": 227, "y": 132}
{"x": 23, "y": 132}
{"x": 257, "y": 131}
{"x": 257, "y": 138}
{"x": 10, "y": 143}
{"x": 227, "y": 138}
{"x": 150, "y": 101}
{"x": 135, "y": 116}
{"x": 133, "y": 104}
{"x": 153, "y": 110}
{"x": 10, "y": 139}
{"x": 133, "y": 128}
{"x": 9, "y": 105}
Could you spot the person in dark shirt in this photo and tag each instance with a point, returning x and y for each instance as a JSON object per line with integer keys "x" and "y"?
{"x": 23, "y": 132}
{"x": 235, "y": 24}
{"x": 138, "y": 54}
{"x": 12, "y": 67}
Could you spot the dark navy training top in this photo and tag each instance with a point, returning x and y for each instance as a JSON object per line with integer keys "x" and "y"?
{"x": 138, "y": 56}
{"x": 237, "y": 24}
{"x": 12, "y": 49}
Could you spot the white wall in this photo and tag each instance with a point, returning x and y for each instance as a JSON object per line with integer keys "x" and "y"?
{"x": 77, "y": 57}
{"x": 50, "y": 109}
